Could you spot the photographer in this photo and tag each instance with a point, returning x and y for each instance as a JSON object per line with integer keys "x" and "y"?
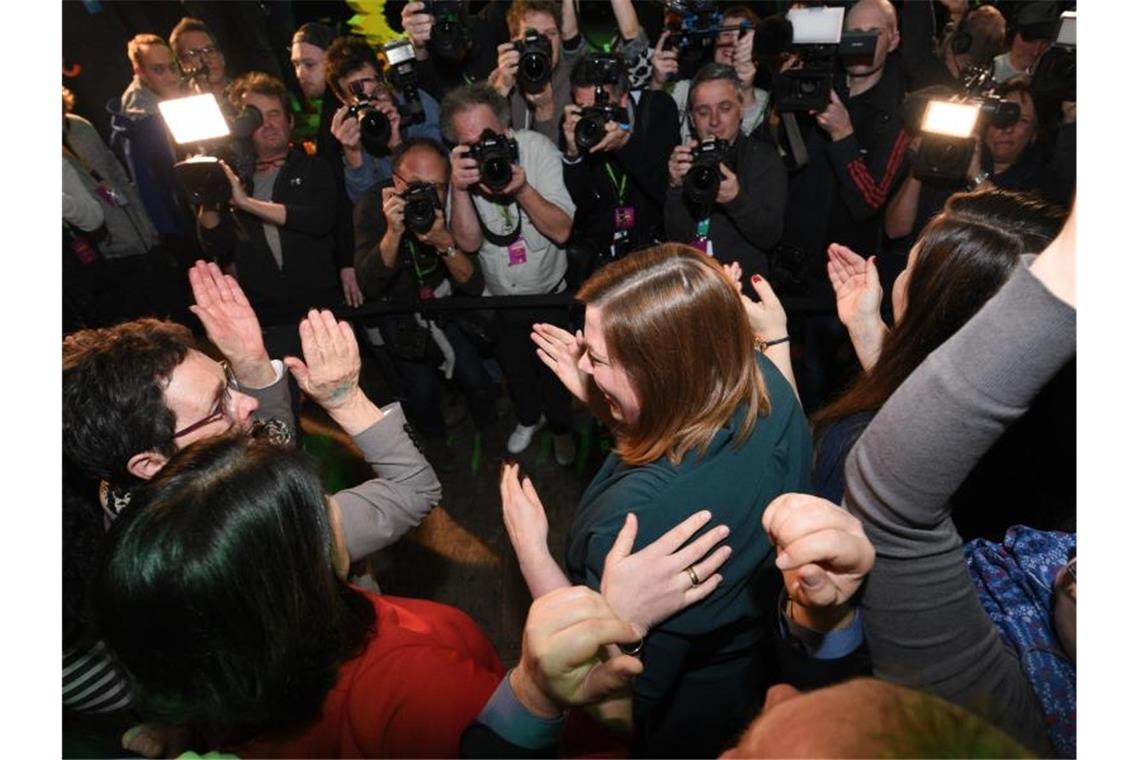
{"x": 733, "y": 48}
{"x": 352, "y": 73}
{"x": 618, "y": 182}
{"x": 550, "y": 46}
{"x": 516, "y": 212}
{"x": 453, "y": 47}
{"x": 283, "y": 251}
{"x": 405, "y": 253}
{"x": 743, "y": 215}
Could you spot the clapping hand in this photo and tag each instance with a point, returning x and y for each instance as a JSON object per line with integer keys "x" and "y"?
{"x": 858, "y": 293}
{"x": 561, "y": 352}
{"x": 331, "y": 370}
{"x": 230, "y": 324}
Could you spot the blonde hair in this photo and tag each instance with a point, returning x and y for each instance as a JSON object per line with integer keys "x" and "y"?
{"x": 673, "y": 321}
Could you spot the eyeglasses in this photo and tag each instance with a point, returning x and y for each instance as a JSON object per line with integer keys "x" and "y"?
{"x": 220, "y": 410}
{"x": 208, "y": 51}
{"x": 406, "y": 181}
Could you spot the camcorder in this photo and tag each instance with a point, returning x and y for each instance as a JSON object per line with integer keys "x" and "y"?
{"x": 695, "y": 24}
{"x": 496, "y": 155}
{"x": 818, "y": 39}
{"x": 400, "y": 70}
{"x": 420, "y": 204}
{"x": 601, "y": 69}
{"x": 949, "y": 126}
{"x": 449, "y": 38}
{"x": 1055, "y": 78}
{"x": 702, "y": 181}
{"x": 375, "y": 129}
{"x": 536, "y": 61}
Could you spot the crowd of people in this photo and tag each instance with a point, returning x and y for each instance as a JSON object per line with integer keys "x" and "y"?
{"x": 830, "y": 524}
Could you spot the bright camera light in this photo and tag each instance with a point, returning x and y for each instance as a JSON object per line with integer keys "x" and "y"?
{"x": 194, "y": 119}
{"x": 951, "y": 119}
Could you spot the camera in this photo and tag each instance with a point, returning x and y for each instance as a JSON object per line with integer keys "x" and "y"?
{"x": 818, "y": 39}
{"x": 598, "y": 69}
{"x": 536, "y": 58}
{"x": 949, "y": 125}
{"x": 496, "y": 155}
{"x": 449, "y": 38}
{"x": 702, "y": 181}
{"x": 420, "y": 204}
{"x": 401, "y": 73}
{"x": 692, "y": 23}
{"x": 375, "y": 129}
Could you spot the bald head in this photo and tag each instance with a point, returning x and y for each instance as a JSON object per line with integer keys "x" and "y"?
{"x": 877, "y": 13}
{"x": 878, "y": 17}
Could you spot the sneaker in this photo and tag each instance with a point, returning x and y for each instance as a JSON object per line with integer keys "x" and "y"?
{"x": 522, "y": 436}
{"x": 564, "y": 449}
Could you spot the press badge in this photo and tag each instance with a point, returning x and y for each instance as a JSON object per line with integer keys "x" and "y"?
{"x": 623, "y": 218}
{"x": 704, "y": 245}
{"x": 516, "y": 252}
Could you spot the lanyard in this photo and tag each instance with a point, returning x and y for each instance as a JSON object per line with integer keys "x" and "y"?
{"x": 620, "y": 189}
{"x": 421, "y": 274}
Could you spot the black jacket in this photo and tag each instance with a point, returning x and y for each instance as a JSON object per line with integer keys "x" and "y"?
{"x": 745, "y": 229}
{"x": 307, "y": 276}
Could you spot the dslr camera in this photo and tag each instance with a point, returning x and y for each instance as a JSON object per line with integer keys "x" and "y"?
{"x": 449, "y": 38}
{"x": 600, "y": 70}
{"x": 702, "y": 181}
{"x": 949, "y": 124}
{"x": 401, "y": 74}
{"x": 536, "y": 61}
{"x": 375, "y": 129}
{"x": 420, "y": 204}
{"x": 818, "y": 39}
{"x": 496, "y": 155}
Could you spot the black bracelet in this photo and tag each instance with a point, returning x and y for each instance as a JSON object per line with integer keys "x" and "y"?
{"x": 763, "y": 345}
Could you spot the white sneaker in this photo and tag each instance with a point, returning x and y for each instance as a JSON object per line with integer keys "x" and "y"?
{"x": 564, "y": 449}
{"x": 522, "y": 436}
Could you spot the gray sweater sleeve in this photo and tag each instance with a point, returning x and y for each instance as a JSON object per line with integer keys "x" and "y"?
{"x": 273, "y": 402}
{"x": 923, "y": 622}
{"x": 376, "y": 513}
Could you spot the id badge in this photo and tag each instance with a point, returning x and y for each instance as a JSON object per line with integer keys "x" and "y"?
{"x": 516, "y": 252}
{"x": 623, "y": 218}
{"x": 704, "y": 245}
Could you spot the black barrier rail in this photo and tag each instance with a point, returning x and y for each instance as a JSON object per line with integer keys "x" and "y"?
{"x": 792, "y": 305}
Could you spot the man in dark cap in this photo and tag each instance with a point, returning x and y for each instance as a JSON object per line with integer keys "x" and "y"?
{"x": 1033, "y": 27}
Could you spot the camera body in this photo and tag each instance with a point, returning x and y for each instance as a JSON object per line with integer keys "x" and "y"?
{"x": 702, "y": 181}
{"x": 375, "y": 129}
{"x": 692, "y": 23}
{"x": 400, "y": 72}
{"x": 536, "y": 62}
{"x": 420, "y": 204}
{"x": 496, "y": 155}
{"x": 818, "y": 39}
{"x": 449, "y": 38}
{"x": 600, "y": 70}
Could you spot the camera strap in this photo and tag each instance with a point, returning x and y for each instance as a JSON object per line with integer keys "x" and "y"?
{"x": 494, "y": 237}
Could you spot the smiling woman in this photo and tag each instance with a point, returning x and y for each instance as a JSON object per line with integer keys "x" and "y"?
{"x": 702, "y": 420}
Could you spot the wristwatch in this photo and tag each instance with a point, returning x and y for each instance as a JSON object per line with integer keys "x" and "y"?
{"x": 447, "y": 252}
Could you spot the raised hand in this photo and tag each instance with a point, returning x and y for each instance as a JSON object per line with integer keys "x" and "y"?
{"x": 766, "y": 314}
{"x": 561, "y": 352}
{"x": 523, "y": 513}
{"x": 230, "y": 324}
{"x": 656, "y": 583}
{"x": 417, "y": 24}
{"x": 331, "y": 369}
{"x": 736, "y": 274}
{"x": 561, "y": 664}
{"x": 665, "y": 64}
{"x": 821, "y": 550}
{"x": 858, "y": 293}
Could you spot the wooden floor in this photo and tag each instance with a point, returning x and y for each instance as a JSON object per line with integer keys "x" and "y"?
{"x": 460, "y": 554}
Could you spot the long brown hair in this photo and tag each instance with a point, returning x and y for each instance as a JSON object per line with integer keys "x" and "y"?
{"x": 965, "y": 254}
{"x": 673, "y": 321}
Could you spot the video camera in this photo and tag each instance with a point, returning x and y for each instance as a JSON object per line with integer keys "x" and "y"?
{"x": 949, "y": 125}
{"x": 420, "y": 204}
{"x": 702, "y": 181}
{"x": 496, "y": 155}
{"x": 449, "y": 38}
{"x": 536, "y": 61}
{"x": 400, "y": 70}
{"x": 695, "y": 23}
{"x": 600, "y": 69}
{"x": 1055, "y": 78}
{"x": 818, "y": 39}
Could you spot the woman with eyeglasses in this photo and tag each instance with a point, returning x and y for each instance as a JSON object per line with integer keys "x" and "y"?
{"x": 703, "y": 420}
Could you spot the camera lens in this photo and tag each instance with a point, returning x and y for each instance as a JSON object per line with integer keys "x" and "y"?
{"x": 702, "y": 183}
{"x": 534, "y": 72}
{"x": 589, "y": 132}
{"x": 448, "y": 40}
{"x": 419, "y": 215}
{"x": 375, "y": 131}
{"x": 496, "y": 173}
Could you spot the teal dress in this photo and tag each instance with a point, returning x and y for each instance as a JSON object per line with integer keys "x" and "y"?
{"x": 706, "y": 668}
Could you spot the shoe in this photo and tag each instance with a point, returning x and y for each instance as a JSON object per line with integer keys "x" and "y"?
{"x": 522, "y": 436}
{"x": 564, "y": 449}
